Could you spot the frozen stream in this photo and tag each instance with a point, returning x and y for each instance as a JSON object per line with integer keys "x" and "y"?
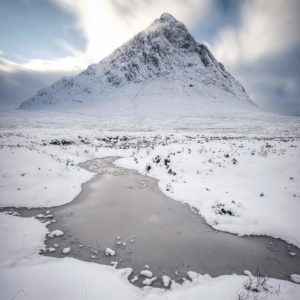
{"x": 156, "y": 231}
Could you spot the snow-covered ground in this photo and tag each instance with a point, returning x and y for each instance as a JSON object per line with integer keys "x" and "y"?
{"x": 243, "y": 179}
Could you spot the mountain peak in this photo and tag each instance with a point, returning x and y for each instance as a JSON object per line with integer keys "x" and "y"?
{"x": 159, "y": 68}
{"x": 169, "y": 28}
{"x": 166, "y": 17}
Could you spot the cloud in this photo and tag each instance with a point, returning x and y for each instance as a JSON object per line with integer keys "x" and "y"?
{"x": 66, "y": 64}
{"x": 263, "y": 51}
{"x": 273, "y": 81}
{"x": 267, "y": 27}
{"x": 107, "y": 24}
{"x": 72, "y": 63}
{"x": 18, "y": 83}
{"x": 7, "y": 66}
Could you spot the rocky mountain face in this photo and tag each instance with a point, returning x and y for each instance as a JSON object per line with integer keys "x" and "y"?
{"x": 160, "y": 70}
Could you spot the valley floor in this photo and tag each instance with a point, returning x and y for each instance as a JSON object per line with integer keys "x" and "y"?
{"x": 242, "y": 175}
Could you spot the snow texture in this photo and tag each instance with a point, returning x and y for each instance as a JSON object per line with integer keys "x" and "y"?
{"x": 27, "y": 174}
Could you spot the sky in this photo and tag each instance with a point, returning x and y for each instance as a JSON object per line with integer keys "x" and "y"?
{"x": 258, "y": 41}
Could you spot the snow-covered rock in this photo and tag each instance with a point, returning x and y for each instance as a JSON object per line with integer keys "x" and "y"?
{"x": 166, "y": 281}
{"x": 109, "y": 252}
{"x": 148, "y": 281}
{"x": 66, "y": 250}
{"x": 161, "y": 69}
{"x": 55, "y": 232}
{"x": 295, "y": 278}
{"x": 146, "y": 273}
{"x": 134, "y": 279}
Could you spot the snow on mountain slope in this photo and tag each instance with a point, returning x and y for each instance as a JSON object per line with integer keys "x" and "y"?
{"x": 160, "y": 70}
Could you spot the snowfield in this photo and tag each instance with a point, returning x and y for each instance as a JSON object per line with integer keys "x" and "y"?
{"x": 244, "y": 180}
{"x": 27, "y": 173}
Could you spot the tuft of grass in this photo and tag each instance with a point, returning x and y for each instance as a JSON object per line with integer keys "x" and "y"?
{"x": 257, "y": 288}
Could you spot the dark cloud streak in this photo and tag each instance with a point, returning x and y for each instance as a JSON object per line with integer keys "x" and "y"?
{"x": 273, "y": 82}
{"x": 19, "y": 85}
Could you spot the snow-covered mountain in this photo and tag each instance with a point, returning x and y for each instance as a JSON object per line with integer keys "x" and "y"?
{"x": 162, "y": 70}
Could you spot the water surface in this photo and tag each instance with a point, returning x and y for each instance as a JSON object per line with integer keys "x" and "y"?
{"x": 125, "y": 211}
